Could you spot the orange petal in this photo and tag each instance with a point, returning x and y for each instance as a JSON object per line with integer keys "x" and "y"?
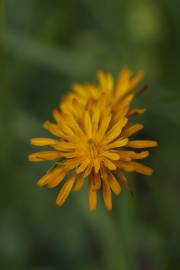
{"x": 103, "y": 127}
{"x": 140, "y": 155}
{"x": 54, "y": 129}
{"x": 88, "y": 124}
{"x": 95, "y": 120}
{"x": 141, "y": 143}
{"x": 65, "y": 190}
{"x": 118, "y": 143}
{"x": 106, "y": 81}
{"x": 97, "y": 164}
{"x": 107, "y": 196}
{"x": 57, "y": 116}
{"x": 83, "y": 166}
{"x": 115, "y": 131}
{"x": 44, "y": 179}
{"x": 92, "y": 197}
{"x": 55, "y": 174}
{"x": 114, "y": 184}
{"x": 111, "y": 155}
{"x": 125, "y": 165}
{"x": 95, "y": 180}
{"x": 124, "y": 180}
{"x": 44, "y": 156}
{"x": 137, "y": 78}
{"x": 109, "y": 164}
{"x": 57, "y": 178}
{"x": 135, "y": 112}
{"x": 128, "y": 155}
{"x": 42, "y": 141}
{"x": 140, "y": 168}
{"x": 79, "y": 183}
{"x": 65, "y": 146}
{"x": 88, "y": 170}
{"x": 131, "y": 129}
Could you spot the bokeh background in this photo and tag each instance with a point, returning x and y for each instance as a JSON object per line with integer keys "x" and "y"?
{"x": 45, "y": 46}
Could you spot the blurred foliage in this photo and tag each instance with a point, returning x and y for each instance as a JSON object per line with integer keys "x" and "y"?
{"x": 45, "y": 46}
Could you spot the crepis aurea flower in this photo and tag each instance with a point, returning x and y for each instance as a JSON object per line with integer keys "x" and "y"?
{"x": 93, "y": 142}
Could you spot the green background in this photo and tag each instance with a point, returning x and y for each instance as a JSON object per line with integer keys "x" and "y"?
{"x": 45, "y": 46}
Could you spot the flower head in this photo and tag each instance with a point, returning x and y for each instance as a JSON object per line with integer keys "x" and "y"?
{"x": 93, "y": 141}
{"x": 106, "y": 92}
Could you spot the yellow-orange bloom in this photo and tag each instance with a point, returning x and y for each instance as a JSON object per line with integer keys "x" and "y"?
{"x": 93, "y": 143}
{"x": 106, "y": 93}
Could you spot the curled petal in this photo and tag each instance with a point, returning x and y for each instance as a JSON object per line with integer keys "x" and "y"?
{"x": 128, "y": 155}
{"x": 136, "y": 112}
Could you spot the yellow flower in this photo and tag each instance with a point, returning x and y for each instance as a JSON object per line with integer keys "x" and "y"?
{"x": 118, "y": 95}
{"x": 93, "y": 144}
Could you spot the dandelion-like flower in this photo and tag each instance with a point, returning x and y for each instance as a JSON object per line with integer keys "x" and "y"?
{"x": 119, "y": 94}
{"x": 94, "y": 142}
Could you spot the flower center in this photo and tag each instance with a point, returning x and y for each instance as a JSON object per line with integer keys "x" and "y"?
{"x": 90, "y": 141}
